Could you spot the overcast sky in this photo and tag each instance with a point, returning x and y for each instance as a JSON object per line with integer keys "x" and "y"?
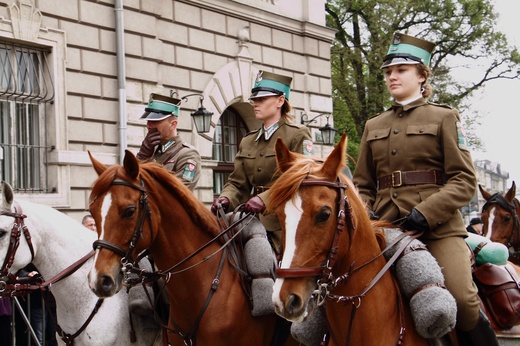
{"x": 500, "y": 105}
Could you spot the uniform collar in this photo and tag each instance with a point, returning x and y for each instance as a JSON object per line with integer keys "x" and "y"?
{"x": 416, "y": 103}
{"x": 171, "y": 142}
{"x": 267, "y": 133}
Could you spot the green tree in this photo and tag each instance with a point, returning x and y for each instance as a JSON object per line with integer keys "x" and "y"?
{"x": 466, "y": 38}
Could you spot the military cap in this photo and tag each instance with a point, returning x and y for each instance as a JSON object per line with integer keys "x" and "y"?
{"x": 271, "y": 84}
{"x": 407, "y": 49}
{"x": 161, "y": 107}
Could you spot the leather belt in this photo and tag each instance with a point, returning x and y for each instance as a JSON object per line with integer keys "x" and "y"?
{"x": 401, "y": 178}
{"x": 260, "y": 189}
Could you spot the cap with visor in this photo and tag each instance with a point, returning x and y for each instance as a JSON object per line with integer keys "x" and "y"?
{"x": 271, "y": 84}
{"x": 406, "y": 49}
{"x": 161, "y": 107}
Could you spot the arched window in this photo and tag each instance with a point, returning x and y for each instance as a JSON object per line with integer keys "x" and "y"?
{"x": 228, "y": 134}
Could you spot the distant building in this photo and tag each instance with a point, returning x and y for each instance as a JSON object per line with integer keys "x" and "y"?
{"x": 493, "y": 179}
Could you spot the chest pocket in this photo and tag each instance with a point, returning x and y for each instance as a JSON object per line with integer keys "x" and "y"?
{"x": 425, "y": 129}
{"x": 378, "y": 134}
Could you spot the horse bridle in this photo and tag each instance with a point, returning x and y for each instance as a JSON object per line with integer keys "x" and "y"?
{"x": 501, "y": 201}
{"x": 14, "y": 242}
{"x": 144, "y": 213}
{"x": 326, "y": 281}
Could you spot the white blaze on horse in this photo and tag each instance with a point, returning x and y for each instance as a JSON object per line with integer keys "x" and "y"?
{"x": 57, "y": 242}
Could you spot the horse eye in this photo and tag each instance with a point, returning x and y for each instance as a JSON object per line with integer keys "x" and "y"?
{"x": 507, "y": 218}
{"x": 129, "y": 212}
{"x": 323, "y": 216}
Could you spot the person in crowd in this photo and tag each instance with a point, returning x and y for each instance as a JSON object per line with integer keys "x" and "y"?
{"x": 6, "y": 312}
{"x": 88, "y": 221}
{"x": 475, "y": 226}
{"x": 41, "y": 320}
{"x": 414, "y": 168}
{"x": 164, "y": 145}
{"x": 255, "y": 162}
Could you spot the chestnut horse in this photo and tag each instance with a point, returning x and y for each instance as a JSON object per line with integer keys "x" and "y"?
{"x": 332, "y": 253}
{"x": 500, "y": 220}
{"x": 139, "y": 206}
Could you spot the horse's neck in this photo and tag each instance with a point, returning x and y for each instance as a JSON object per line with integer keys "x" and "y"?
{"x": 58, "y": 241}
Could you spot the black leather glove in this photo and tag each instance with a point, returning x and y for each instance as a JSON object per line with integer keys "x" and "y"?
{"x": 415, "y": 221}
{"x": 152, "y": 139}
{"x": 224, "y": 203}
{"x": 373, "y": 215}
{"x": 254, "y": 205}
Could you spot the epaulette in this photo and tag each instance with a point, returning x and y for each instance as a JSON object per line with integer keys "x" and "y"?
{"x": 294, "y": 125}
{"x": 439, "y": 105}
{"x": 378, "y": 114}
{"x": 252, "y": 132}
{"x": 188, "y": 145}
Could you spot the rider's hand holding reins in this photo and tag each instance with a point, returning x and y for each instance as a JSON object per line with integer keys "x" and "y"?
{"x": 224, "y": 203}
{"x": 415, "y": 221}
{"x": 152, "y": 139}
{"x": 254, "y": 205}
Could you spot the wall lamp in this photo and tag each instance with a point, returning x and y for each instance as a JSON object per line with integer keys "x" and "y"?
{"x": 201, "y": 117}
{"x": 327, "y": 132}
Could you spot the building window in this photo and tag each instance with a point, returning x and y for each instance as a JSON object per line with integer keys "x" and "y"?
{"x": 25, "y": 86}
{"x": 228, "y": 134}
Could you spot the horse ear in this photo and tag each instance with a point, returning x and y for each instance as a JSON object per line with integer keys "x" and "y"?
{"x": 98, "y": 166}
{"x": 7, "y": 195}
{"x": 336, "y": 160}
{"x": 484, "y": 193}
{"x": 131, "y": 165}
{"x": 284, "y": 157}
{"x": 510, "y": 195}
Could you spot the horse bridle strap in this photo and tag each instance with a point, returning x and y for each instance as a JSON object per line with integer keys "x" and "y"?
{"x": 14, "y": 240}
{"x": 501, "y": 201}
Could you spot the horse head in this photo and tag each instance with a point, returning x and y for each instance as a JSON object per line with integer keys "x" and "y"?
{"x": 119, "y": 205}
{"x": 500, "y": 218}
{"x": 15, "y": 248}
{"x": 319, "y": 211}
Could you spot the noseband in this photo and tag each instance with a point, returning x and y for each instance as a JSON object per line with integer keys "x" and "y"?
{"x": 500, "y": 200}
{"x": 144, "y": 213}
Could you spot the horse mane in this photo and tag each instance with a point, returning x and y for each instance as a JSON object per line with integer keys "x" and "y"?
{"x": 153, "y": 173}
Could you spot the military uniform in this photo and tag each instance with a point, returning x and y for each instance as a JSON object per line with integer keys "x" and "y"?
{"x": 414, "y": 165}
{"x": 181, "y": 158}
{"x": 255, "y": 165}
{"x": 416, "y": 137}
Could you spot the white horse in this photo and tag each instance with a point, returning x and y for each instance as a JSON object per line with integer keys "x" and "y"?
{"x": 59, "y": 241}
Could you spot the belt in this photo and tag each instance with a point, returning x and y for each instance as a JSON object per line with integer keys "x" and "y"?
{"x": 260, "y": 189}
{"x": 401, "y": 178}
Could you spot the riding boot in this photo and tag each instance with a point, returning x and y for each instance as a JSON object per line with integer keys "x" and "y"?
{"x": 482, "y": 335}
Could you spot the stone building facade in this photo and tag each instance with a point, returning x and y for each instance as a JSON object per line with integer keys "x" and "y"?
{"x": 77, "y": 75}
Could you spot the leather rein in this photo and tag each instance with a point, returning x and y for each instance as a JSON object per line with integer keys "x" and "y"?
{"x": 498, "y": 199}
{"x": 327, "y": 282}
{"x": 143, "y": 276}
{"x": 10, "y": 285}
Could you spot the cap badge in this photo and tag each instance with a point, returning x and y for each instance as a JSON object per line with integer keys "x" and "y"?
{"x": 259, "y": 76}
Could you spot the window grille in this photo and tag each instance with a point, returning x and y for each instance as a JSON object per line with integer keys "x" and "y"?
{"x": 25, "y": 86}
{"x": 228, "y": 134}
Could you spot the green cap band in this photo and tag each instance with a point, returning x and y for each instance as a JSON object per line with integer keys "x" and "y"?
{"x": 414, "y": 51}
{"x": 161, "y": 106}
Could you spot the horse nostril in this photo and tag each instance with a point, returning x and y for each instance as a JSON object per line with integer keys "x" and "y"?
{"x": 294, "y": 304}
{"x": 107, "y": 283}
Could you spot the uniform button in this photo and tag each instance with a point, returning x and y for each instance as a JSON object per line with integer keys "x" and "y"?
{"x": 421, "y": 131}
{"x": 259, "y": 169}
{"x": 394, "y": 195}
{"x": 439, "y": 223}
{"x": 394, "y": 151}
{"x": 261, "y": 154}
{"x": 400, "y": 115}
{"x": 248, "y": 154}
{"x": 396, "y": 131}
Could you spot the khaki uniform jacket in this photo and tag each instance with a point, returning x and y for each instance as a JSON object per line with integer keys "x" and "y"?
{"x": 182, "y": 159}
{"x": 255, "y": 165}
{"x": 417, "y": 136}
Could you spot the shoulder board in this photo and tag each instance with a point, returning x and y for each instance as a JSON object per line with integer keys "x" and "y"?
{"x": 378, "y": 114}
{"x": 294, "y": 125}
{"x": 187, "y": 145}
{"x": 440, "y": 105}
{"x": 252, "y": 132}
